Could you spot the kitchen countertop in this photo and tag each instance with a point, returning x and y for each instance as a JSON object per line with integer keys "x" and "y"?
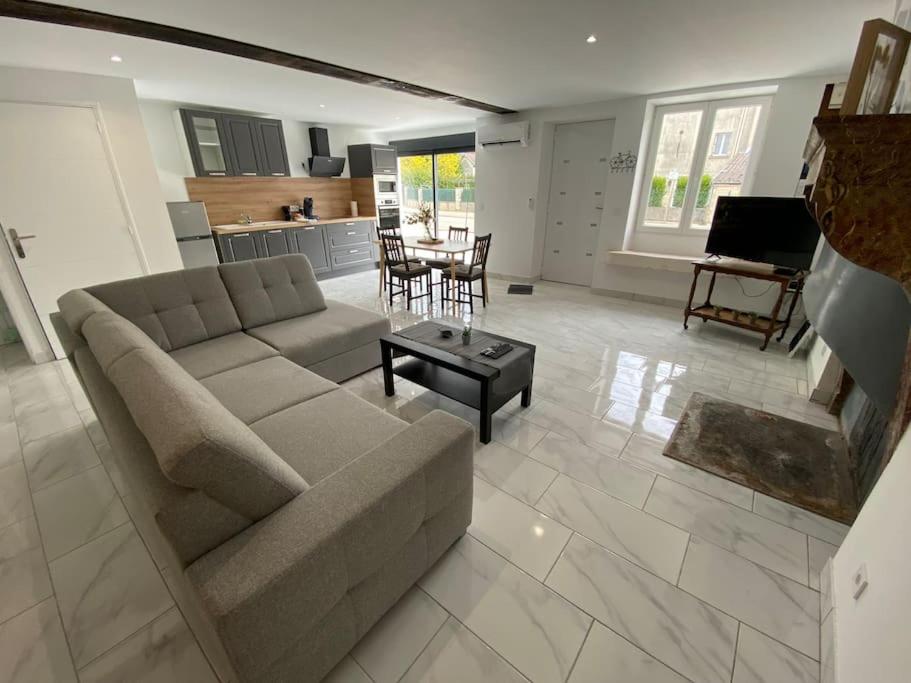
{"x": 256, "y": 226}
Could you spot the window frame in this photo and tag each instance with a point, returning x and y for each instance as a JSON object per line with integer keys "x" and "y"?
{"x": 702, "y": 152}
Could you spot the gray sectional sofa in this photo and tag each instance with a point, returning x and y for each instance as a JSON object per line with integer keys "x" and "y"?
{"x": 291, "y": 514}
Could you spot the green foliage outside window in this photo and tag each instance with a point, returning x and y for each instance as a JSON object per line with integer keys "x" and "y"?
{"x": 657, "y": 191}
{"x": 702, "y": 199}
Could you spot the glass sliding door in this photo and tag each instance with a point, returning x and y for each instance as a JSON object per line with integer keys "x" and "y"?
{"x": 455, "y": 191}
{"x": 444, "y": 182}
{"x": 416, "y": 182}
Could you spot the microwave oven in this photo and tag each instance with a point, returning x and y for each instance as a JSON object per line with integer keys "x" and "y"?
{"x": 385, "y": 187}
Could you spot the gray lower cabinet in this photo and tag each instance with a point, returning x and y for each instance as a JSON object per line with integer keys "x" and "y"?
{"x": 350, "y": 243}
{"x": 239, "y": 246}
{"x": 311, "y": 242}
{"x": 330, "y": 247}
{"x": 274, "y": 243}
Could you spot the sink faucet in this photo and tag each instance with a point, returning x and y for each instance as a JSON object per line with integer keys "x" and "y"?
{"x": 245, "y": 219}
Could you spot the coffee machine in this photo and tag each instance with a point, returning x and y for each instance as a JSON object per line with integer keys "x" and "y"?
{"x": 308, "y": 208}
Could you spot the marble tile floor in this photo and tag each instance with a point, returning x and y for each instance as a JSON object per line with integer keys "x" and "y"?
{"x": 590, "y": 556}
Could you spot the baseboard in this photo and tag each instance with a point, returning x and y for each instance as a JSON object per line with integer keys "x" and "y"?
{"x": 827, "y": 639}
{"x": 347, "y": 271}
{"x": 513, "y": 278}
{"x": 644, "y": 298}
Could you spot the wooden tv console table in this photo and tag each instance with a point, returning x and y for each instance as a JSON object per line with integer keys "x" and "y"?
{"x": 765, "y": 325}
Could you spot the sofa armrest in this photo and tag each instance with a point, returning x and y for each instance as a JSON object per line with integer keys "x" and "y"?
{"x": 270, "y": 584}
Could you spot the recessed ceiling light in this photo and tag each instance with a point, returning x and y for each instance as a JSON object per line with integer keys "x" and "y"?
{"x": 116, "y": 59}
{"x": 592, "y": 39}
{"x": 322, "y": 106}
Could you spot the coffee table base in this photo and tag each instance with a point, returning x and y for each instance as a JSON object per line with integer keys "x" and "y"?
{"x": 473, "y": 391}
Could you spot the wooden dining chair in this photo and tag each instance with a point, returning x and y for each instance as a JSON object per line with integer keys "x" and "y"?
{"x": 455, "y": 234}
{"x": 384, "y": 264}
{"x": 467, "y": 273}
{"x": 404, "y": 270}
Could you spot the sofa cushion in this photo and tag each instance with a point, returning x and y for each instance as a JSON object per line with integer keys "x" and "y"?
{"x": 314, "y": 338}
{"x": 324, "y": 434}
{"x": 267, "y": 290}
{"x": 174, "y": 309}
{"x": 222, "y": 353}
{"x": 257, "y": 390}
{"x": 197, "y": 442}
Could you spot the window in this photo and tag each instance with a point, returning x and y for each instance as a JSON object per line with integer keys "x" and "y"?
{"x": 721, "y": 145}
{"x": 710, "y": 142}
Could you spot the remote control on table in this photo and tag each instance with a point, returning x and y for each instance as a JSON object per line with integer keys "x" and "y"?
{"x": 497, "y": 350}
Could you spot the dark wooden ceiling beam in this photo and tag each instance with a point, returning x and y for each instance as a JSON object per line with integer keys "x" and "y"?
{"x": 99, "y": 21}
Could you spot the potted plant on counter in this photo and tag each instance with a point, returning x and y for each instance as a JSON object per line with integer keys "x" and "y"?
{"x": 424, "y": 216}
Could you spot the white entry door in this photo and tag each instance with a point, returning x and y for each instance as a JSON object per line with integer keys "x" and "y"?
{"x": 577, "y": 180}
{"x": 58, "y": 194}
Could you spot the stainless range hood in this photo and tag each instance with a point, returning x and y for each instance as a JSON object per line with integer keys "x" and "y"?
{"x": 322, "y": 163}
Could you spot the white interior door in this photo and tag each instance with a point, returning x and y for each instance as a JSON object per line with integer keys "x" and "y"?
{"x": 577, "y": 181}
{"x": 59, "y": 194}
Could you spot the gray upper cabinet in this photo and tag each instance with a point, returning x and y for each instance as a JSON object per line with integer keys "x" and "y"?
{"x": 271, "y": 139}
{"x": 367, "y": 160}
{"x": 245, "y": 157}
{"x": 208, "y": 143}
{"x": 235, "y": 145}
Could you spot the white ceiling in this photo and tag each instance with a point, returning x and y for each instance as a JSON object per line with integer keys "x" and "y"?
{"x": 514, "y": 53}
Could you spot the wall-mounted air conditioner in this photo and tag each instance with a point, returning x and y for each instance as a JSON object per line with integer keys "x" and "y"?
{"x": 504, "y": 134}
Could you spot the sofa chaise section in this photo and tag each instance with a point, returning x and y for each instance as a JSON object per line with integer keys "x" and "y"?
{"x": 279, "y": 302}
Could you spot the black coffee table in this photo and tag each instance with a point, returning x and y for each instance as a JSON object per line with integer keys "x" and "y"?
{"x": 459, "y": 372}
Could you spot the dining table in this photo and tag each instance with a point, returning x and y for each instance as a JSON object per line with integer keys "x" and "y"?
{"x": 449, "y": 248}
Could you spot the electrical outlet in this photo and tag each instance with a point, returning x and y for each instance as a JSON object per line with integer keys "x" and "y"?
{"x": 859, "y": 581}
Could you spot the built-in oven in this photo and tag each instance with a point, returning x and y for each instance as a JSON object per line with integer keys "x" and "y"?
{"x": 388, "y": 217}
{"x": 386, "y": 189}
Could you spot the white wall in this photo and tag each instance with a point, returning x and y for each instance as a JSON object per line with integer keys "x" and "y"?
{"x": 169, "y": 147}
{"x": 508, "y": 177}
{"x": 872, "y": 633}
{"x": 119, "y": 108}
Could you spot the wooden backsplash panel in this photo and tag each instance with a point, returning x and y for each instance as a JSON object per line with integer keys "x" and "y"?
{"x": 362, "y": 193}
{"x": 262, "y": 198}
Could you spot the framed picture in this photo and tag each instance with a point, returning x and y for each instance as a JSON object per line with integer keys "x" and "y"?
{"x": 877, "y": 68}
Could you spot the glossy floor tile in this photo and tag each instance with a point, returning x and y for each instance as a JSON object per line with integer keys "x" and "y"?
{"x": 684, "y": 633}
{"x": 387, "y": 651}
{"x": 533, "y": 628}
{"x": 763, "y": 660}
{"x": 611, "y": 379}
{"x": 772, "y": 545}
{"x": 33, "y": 647}
{"x": 523, "y": 535}
{"x": 645, "y": 540}
{"x": 456, "y": 655}
{"x": 809, "y": 523}
{"x": 608, "y": 658}
{"x": 594, "y": 468}
{"x": 782, "y": 609}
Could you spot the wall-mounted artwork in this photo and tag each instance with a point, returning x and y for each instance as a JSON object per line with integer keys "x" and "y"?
{"x": 877, "y": 68}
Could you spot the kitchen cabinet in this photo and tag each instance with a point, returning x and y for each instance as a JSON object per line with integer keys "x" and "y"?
{"x": 365, "y": 161}
{"x": 242, "y": 145}
{"x": 239, "y": 246}
{"x": 235, "y": 145}
{"x": 311, "y": 241}
{"x": 330, "y": 247}
{"x": 274, "y": 154}
{"x": 208, "y": 143}
{"x": 273, "y": 243}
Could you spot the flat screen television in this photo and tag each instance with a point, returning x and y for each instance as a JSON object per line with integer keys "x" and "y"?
{"x": 776, "y": 230}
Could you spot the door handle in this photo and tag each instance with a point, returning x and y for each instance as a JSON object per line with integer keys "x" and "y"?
{"x": 16, "y": 239}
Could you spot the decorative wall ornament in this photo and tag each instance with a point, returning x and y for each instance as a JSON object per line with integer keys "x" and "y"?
{"x": 623, "y": 162}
